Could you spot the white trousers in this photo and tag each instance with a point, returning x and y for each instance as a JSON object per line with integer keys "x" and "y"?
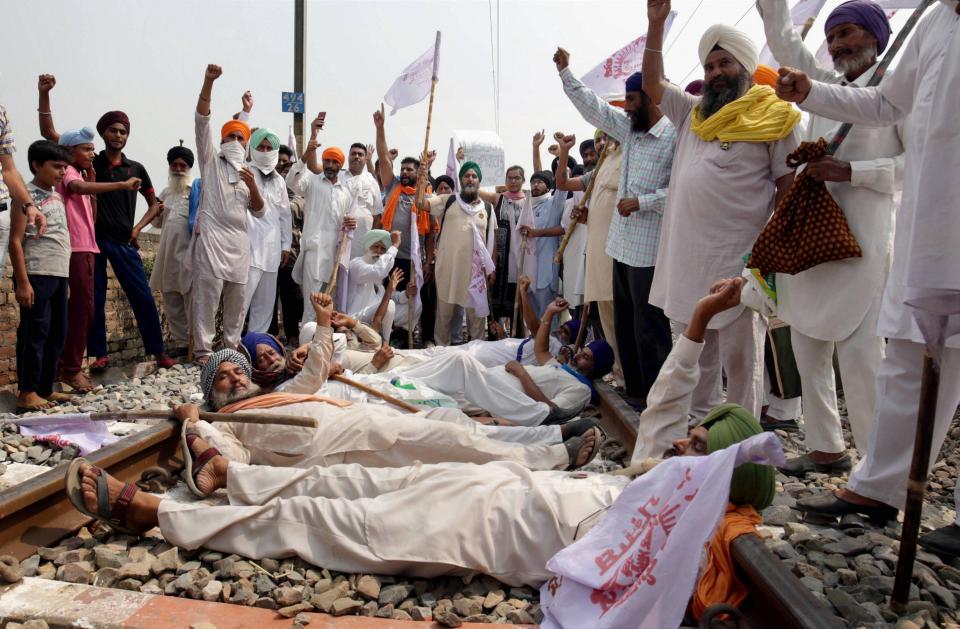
{"x": 465, "y": 379}
{"x": 736, "y": 350}
{"x": 351, "y": 518}
{"x": 176, "y": 310}
{"x": 5, "y": 235}
{"x": 605, "y": 308}
{"x": 367, "y": 314}
{"x": 883, "y": 472}
{"x": 260, "y": 299}
{"x": 205, "y": 293}
{"x": 477, "y": 326}
{"x": 860, "y": 355}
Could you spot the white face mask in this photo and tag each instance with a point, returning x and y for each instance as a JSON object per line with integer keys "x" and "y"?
{"x": 265, "y": 161}
{"x": 234, "y": 153}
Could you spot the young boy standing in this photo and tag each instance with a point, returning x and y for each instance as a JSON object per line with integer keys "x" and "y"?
{"x": 41, "y": 267}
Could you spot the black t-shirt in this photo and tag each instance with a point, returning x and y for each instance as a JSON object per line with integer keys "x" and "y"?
{"x": 115, "y": 210}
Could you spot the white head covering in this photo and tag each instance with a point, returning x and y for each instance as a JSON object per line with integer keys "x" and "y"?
{"x": 737, "y": 43}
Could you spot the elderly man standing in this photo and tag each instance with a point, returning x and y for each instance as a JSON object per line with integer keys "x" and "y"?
{"x": 270, "y": 235}
{"x": 464, "y": 255}
{"x": 728, "y": 171}
{"x": 220, "y": 249}
{"x": 835, "y": 306}
{"x": 648, "y": 140}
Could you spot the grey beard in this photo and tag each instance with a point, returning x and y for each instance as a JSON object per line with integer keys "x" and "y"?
{"x": 179, "y": 183}
{"x": 713, "y": 100}
{"x": 219, "y": 400}
{"x": 857, "y": 62}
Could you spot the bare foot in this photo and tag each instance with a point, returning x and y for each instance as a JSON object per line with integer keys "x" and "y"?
{"x": 213, "y": 475}
{"x": 141, "y": 514}
{"x": 584, "y": 447}
{"x": 78, "y": 381}
{"x": 31, "y": 401}
{"x": 854, "y": 498}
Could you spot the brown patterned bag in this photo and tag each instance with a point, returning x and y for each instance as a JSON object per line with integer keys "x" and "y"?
{"x": 807, "y": 228}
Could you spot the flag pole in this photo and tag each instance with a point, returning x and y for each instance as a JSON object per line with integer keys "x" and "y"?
{"x": 421, "y": 184}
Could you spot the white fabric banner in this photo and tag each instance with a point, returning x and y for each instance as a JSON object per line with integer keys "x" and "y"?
{"x": 416, "y": 267}
{"x": 802, "y": 11}
{"x": 413, "y": 84}
{"x": 638, "y": 566}
{"x": 608, "y": 77}
{"x": 292, "y": 143}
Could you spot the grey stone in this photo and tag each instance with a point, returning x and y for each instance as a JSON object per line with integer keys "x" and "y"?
{"x": 264, "y": 584}
{"x": 286, "y": 596}
{"x": 132, "y": 585}
{"x": 467, "y": 607}
{"x": 778, "y": 515}
{"x": 324, "y": 601}
{"x": 104, "y": 577}
{"x": 784, "y": 550}
{"x": 167, "y": 561}
{"x": 29, "y": 565}
{"x": 421, "y": 613}
{"x": 346, "y": 606}
{"x": 394, "y": 594}
{"x": 302, "y": 619}
{"x": 814, "y": 585}
{"x": 943, "y": 596}
{"x": 265, "y": 602}
{"x": 850, "y": 609}
{"x": 368, "y": 586}
{"x": 187, "y": 567}
{"x": 520, "y": 617}
{"x": 494, "y": 598}
{"x": 106, "y": 557}
{"x": 134, "y": 571}
{"x": 79, "y": 572}
{"x": 447, "y": 619}
{"x": 369, "y": 609}
{"x": 212, "y": 591}
{"x": 849, "y": 546}
{"x": 293, "y": 610}
{"x": 399, "y": 614}
{"x": 847, "y": 577}
{"x": 384, "y": 612}
{"x": 270, "y": 565}
{"x": 835, "y": 562}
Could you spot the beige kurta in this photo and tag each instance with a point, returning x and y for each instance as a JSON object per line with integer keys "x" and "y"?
{"x": 169, "y": 274}
{"x": 603, "y": 203}
{"x": 455, "y": 251}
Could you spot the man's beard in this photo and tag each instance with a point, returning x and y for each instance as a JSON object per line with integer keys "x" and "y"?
{"x": 219, "y": 400}
{"x": 331, "y": 173}
{"x": 469, "y": 193}
{"x": 639, "y": 120}
{"x": 855, "y": 62}
{"x": 406, "y": 180}
{"x": 715, "y": 98}
{"x": 179, "y": 183}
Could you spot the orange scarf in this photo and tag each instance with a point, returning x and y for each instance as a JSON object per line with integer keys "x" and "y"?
{"x": 719, "y": 582}
{"x": 271, "y": 400}
{"x": 423, "y": 216}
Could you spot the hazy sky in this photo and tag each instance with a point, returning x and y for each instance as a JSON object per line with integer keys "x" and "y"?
{"x": 148, "y": 59}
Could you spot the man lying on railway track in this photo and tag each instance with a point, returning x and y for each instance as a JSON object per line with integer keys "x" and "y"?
{"x": 375, "y": 436}
{"x": 352, "y": 518}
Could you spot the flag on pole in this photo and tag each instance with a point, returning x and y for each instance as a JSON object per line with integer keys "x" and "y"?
{"x": 607, "y": 79}
{"x": 413, "y": 84}
{"x": 292, "y": 142}
{"x": 416, "y": 271}
{"x": 801, "y": 12}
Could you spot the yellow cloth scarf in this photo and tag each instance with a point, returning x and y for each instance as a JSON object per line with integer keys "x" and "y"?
{"x": 757, "y": 116}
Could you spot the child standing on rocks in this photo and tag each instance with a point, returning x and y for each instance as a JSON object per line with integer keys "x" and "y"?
{"x": 41, "y": 268}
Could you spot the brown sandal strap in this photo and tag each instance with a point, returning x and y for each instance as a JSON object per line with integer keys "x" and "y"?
{"x": 118, "y": 516}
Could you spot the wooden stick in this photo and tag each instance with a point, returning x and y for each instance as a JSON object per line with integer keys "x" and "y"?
{"x": 581, "y": 333}
{"x": 341, "y": 248}
{"x": 377, "y": 394}
{"x": 584, "y": 201}
{"x": 515, "y": 324}
{"x": 410, "y": 312}
{"x": 923, "y": 442}
{"x": 122, "y": 416}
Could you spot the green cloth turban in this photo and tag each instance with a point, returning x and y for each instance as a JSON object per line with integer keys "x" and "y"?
{"x": 257, "y": 137}
{"x": 751, "y": 483}
{"x": 374, "y": 236}
{"x": 475, "y": 167}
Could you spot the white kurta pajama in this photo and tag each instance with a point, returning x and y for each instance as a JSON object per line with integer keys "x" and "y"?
{"x": 836, "y": 304}
{"x": 326, "y": 205}
{"x": 366, "y": 205}
{"x": 719, "y": 201}
{"x": 169, "y": 275}
{"x": 574, "y": 256}
{"x": 220, "y": 248}
{"x": 270, "y": 235}
{"x": 926, "y": 258}
{"x": 366, "y": 288}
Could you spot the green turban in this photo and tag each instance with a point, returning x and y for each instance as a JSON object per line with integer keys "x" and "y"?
{"x": 597, "y": 134}
{"x": 374, "y": 236}
{"x": 257, "y": 137}
{"x": 751, "y": 483}
{"x": 475, "y": 167}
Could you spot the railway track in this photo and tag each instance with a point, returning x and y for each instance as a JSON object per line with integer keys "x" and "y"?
{"x": 37, "y": 513}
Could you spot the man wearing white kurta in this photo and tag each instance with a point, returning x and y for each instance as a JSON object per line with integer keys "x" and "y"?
{"x": 926, "y": 259}
{"x": 220, "y": 248}
{"x": 547, "y": 209}
{"x": 366, "y": 278}
{"x": 270, "y": 235}
{"x": 728, "y": 171}
{"x": 836, "y": 305}
{"x": 368, "y": 202}
{"x": 325, "y": 216}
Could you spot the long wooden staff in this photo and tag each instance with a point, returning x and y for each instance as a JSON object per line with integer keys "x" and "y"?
{"x": 581, "y": 333}
{"x": 515, "y": 323}
{"x": 584, "y": 202}
{"x": 122, "y": 416}
{"x": 341, "y": 248}
{"x": 389, "y": 399}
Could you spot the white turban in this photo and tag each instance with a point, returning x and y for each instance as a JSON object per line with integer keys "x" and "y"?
{"x": 737, "y": 43}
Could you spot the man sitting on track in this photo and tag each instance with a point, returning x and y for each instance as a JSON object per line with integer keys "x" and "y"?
{"x": 360, "y": 519}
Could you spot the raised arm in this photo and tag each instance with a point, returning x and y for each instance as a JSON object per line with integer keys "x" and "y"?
{"x": 541, "y": 344}
{"x": 537, "y": 141}
{"x": 203, "y": 101}
{"x": 530, "y": 318}
{"x": 614, "y": 122}
{"x": 386, "y": 163}
{"x": 786, "y": 44}
{"x": 563, "y": 180}
{"x": 316, "y": 368}
{"x": 653, "y": 79}
{"x": 310, "y": 154}
{"x": 45, "y": 83}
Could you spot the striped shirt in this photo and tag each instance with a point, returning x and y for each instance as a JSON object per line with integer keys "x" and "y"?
{"x": 7, "y": 147}
{"x": 645, "y": 174}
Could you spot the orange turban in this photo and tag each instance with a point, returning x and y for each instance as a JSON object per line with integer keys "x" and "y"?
{"x": 765, "y": 75}
{"x": 235, "y": 125}
{"x": 335, "y": 154}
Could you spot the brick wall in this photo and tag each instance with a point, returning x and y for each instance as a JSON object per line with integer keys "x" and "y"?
{"x": 123, "y": 336}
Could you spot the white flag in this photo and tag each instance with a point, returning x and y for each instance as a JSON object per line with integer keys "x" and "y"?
{"x": 638, "y": 566}
{"x": 607, "y": 79}
{"x": 292, "y": 143}
{"x": 416, "y": 268}
{"x": 413, "y": 84}
{"x": 802, "y": 11}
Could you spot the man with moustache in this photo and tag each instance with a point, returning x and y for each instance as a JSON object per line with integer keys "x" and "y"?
{"x": 729, "y": 169}
{"x": 647, "y": 141}
{"x": 368, "y": 202}
{"x": 835, "y": 306}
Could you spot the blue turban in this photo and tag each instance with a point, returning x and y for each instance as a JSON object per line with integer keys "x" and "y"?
{"x": 863, "y": 13}
{"x": 602, "y": 358}
{"x": 73, "y": 137}
{"x": 573, "y": 325}
{"x": 251, "y": 339}
{"x": 635, "y": 82}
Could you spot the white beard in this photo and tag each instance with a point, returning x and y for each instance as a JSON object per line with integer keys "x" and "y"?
{"x": 179, "y": 184}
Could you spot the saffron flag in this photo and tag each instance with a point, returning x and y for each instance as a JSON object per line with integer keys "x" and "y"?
{"x": 638, "y": 566}
{"x": 413, "y": 84}
{"x": 803, "y": 14}
{"x": 607, "y": 79}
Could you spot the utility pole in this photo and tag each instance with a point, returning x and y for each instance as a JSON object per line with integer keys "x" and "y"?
{"x": 299, "y": 63}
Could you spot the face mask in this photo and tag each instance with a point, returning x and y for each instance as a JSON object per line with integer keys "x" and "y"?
{"x": 233, "y": 152}
{"x": 265, "y": 161}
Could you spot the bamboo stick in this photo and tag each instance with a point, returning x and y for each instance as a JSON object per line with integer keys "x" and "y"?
{"x": 377, "y": 394}
{"x": 581, "y": 333}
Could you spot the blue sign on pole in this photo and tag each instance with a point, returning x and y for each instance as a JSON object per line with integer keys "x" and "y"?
{"x": 292, "y": 102}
